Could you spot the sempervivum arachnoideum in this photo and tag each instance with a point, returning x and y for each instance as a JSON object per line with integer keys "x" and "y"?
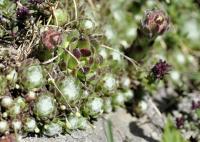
{"x": 121, "y": 96}
{"x": 61, "y": 16}
{"x": 16, "y": 125}
{"x": 18, "y": 106}
{"x": 125, "y": 82}
{"x": 32, "y": 75}
{"x": 72, "y": 122}
{"x": 30, "y": 125}
{"x": 87, "y": 25}
{"x": 14, "y": 111}
{"x": 128, "y": 94}
{"x": 84, "y": 42}
{"x": 45, "y": 106}
{"x": 7, "y": 101}
{"x": 69, "y": 90}
{"x": 93, "y": 107}
{"x": 118, "y": 99}
{"x": 76, "y": 121}
{"x": 109, "y": 83}
{"x": 53, "y": 128}
{"x": 4, "y": 126}
{"x": 83, "y": 123}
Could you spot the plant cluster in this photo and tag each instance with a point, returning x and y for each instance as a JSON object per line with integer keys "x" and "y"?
{"x": 64, "y": 63}
{"x": 57, "y": 73}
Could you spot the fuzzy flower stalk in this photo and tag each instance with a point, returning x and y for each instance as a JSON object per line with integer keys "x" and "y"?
{"x": 155, "y": 22}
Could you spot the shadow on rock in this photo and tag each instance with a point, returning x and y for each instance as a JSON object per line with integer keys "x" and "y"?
{"x": 137, "y": 131}
{"x": 167, "y": 104}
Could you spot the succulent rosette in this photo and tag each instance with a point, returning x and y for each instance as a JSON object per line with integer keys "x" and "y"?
{"x": 7, "y": 101}
{"x": 75, "y": 121}
{"x": 69, "y": 90}
{"x": 53, "y": 128}
{"x": 32, "y": 76}
{"x": 118, "y": 99}
{"x": 60, "y": 16}
{"x": 72, "y": 122}
{"x": 14, "y": 111}
{"x": 4, "y": 126}
{"x": 45, "y": 106}
{"x": 109, "y": 82}
{"x": 16, "y": 125}
{"x": 83, "y": 123}
{"x": 14, "y": 107}
{"x": 64, "y": 63}
{"x": 30, "y": 125}
{"x": 128, "y": 94}
{"x": 93, "y": 107}
{"x": 87, "y": 25}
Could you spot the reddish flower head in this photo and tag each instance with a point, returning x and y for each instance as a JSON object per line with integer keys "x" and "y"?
{"x": 22, "y": 13}
{"x": 155, "y": 23}
{"x": 51, "y": 38}
{"x": 195, "y": 105}
{"x": 36, "y": 1}
{"x": 179, "y": 122}
{"x": 160, "y": 69}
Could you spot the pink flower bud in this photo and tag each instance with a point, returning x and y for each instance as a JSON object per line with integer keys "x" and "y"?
{"x": 51, "y": 38}
{"x": 155, "y": 22}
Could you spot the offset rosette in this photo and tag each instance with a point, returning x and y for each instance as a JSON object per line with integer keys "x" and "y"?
{"x": 76, "y": 121}
{"x": 93, "y": 107}
{"x": 30, "y": 125}
{"x": 45, "y": 106}
{"x": 32, "y": 76}
{"x": 53, "y": 128}
{"x": 70, "y": 90}
{"x": 4, "y": 126}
